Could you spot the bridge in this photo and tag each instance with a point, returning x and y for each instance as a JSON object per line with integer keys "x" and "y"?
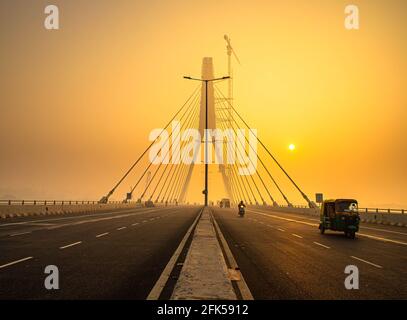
{"x": 155, "y": 244}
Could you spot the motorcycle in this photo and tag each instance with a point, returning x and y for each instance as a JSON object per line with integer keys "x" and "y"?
{"x": 241, "y": 211}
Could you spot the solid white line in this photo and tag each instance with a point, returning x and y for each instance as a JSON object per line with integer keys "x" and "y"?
{"x": 316, "y": 225}
{"x": 102, "y": 234}
{"x": 296, "y": 235}
{"x": 242, "y": 285}
{"x": 381, "y": 239}
{"x": 70, "y": 245}
{"x": 282, "y": 230}
{"x": 121, "y": 228}
{"x": 383, "y": 230}
{"x": 162, "y": 280}
{"x": 14, "y": 262}
{"x": 19, "y": 234}
{"x": 322, "y": 245}
{"x": 135, "y": 224}
{"x": 373, "y": 264}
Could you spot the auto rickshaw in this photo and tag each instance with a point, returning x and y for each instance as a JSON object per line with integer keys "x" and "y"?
{"x": 340, "y": 215}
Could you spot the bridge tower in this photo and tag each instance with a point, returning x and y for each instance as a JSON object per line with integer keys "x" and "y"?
{"x": 206, "y": 73}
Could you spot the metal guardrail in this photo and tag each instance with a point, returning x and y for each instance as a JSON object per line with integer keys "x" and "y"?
{"x": 50, "y": 202}
{"x": 378, "y": 210}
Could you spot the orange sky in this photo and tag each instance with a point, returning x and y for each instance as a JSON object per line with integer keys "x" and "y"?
{"x": 77, "y": 104}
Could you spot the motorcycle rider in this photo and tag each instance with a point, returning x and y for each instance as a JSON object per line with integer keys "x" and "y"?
{"x": 241, "y": 207}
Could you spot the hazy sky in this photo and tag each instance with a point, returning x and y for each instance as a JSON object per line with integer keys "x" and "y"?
{"x": 77, "y": 104}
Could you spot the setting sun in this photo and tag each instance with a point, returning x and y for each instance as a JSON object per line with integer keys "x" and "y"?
{"x": 291, "y": 147}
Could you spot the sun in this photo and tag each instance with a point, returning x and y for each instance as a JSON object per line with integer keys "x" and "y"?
{"x": 291, "y": 147}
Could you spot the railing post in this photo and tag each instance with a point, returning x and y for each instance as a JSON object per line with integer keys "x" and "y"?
{"x": 22, "y": 202}
{"x": 9, "y": 202}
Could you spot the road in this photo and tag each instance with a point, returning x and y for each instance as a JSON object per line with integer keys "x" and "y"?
{"x": 122, "y": 254}
{"x": 283, "y": 256}
{"x": 113, "y": 255}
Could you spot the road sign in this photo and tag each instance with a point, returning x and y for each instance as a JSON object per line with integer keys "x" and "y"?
{"x": 319, "y": 197}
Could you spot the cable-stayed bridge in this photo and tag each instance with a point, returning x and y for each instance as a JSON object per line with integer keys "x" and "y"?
{"x": 154, "y": 244}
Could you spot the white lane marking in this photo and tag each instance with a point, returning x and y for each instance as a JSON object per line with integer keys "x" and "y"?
{"x": 70, "y": 245}
{"x": 279, "y": 229}
{"x": 14, "y": 262}
{"x": 286, "y": 219}
{"x": 144, "y": 221}
{"x": 121, "y": 228}
{"x": 368, "y": 262}
{"x": 162, "y": 280}
{"x": 102, "y": 234}
{"x": 322, "y": 245}
{"x": 383, "y": 230}
{"x": 135, "y": 224}
{"x": 19, "y": 234}
{"x": 316, "y": 225}
{"x": 296, "y": 235}
{"x": 243, "y": 288}
{"x": 381, "y": 239}
{"x": 97, "y": 220}
{"x": 151, "y": 219}
{"x": 79, "y": 216}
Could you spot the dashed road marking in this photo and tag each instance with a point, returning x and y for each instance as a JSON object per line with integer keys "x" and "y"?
{"x": 121, "y": 228}
{"x": 296, "y": 235}
{"x": 70, "y": 245}
{"x": 102, "y": 234}
{"x": 144, "y": 221}
{"x": 322, "y": 245}
{"x": 15, "y": 262}
{"x": 279, "y": 229}
{"x": 135, "y": 224}
{"x": 368, "y": 262}
{"x": 19, "y": 234}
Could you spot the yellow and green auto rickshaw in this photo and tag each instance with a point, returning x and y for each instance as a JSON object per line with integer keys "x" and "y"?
{"x": 340, "y": 215}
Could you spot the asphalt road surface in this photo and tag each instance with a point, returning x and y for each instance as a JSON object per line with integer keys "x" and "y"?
{"x": 116, "y": 255}
{"x": 121, "y": 255}
{"x": 283, "y": 256}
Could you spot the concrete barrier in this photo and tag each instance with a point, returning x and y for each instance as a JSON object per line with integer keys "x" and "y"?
{"x": 11, "y": 211}
{"x": 204, "y": 274}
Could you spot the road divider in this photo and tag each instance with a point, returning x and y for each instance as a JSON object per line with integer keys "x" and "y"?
{"x": 204, "y": 274}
